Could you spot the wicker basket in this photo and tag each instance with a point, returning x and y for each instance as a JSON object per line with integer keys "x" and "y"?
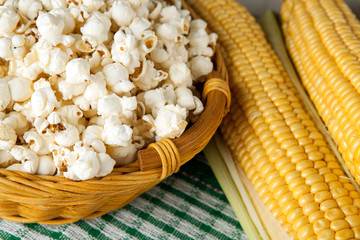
{"x": 30, "y": 198}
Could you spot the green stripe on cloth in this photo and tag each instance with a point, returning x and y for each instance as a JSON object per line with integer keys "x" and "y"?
{"x": 188, "y": 205}
{"x": 184, "y": 216}
{"x": 96, "y": 233}
{"x": 162, "y": 225}
{"x": 6, "y": 235}
{"x": 128, "y": 229}
{"x": 197, "y": 203}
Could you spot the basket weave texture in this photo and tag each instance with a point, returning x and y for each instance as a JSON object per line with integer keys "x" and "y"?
{"x": 30, "y": 198}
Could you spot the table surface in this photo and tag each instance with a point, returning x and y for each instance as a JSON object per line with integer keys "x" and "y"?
{"x": 188, "y": 205}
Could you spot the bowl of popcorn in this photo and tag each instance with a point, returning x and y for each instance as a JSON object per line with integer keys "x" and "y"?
{"x": 100, "y": 101}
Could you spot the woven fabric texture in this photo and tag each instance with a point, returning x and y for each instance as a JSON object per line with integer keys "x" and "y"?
{"x": 187, "y": 205}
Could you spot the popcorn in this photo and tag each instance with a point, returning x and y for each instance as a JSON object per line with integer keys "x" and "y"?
{"x": 66, "y": 134}
{"x": 64, "y": 14}
{"x": 30, "y": 8}
{"x": 185, "y": 98}
{"x": 115, "y": 133}
{"x": 180, "y": 75}
{"x": 123, "y": 155}
{"x": 117, "y": 77}
{"x": 38, "y": 143}
{"x": 96, "y": 28}
{"x": 46, "y": 166}
{"x": 95, "y": 81}
{"x": 29, "y": 159}
{"x": 16, "y": 121}
{"x": 43, "y": 102}
{"x": 138, "y": 26}
{"x": 5, "y": 95}
{"x": 20, "y": 89}
{"x": 122, "y": 13}
{"x": 7, "y": 137}
{"x": 93, "y": 5}
{"x": 170, "y": 122}
{"x": 8, "y": 20}
{"x": 6, "y": 48}
{"x": 50, "y": 27}
{"x": 53, "y": 61}
{"x": 200, "y": 66}
{"x": 78, "y": 71}
{"x": 6, "y": 159}
{"x": 92, "y": 137}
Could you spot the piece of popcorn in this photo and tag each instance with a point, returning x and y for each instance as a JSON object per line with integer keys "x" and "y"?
{"x": 53, "y": 4}
{"x": 170, "y": 122}
{"x": 124, "y": 51}
{"x": 147, "y": 77}
{"x": 115, "y": 133}
{"x": 123, "y": 155}
{"x": 200, "y": 66}
{"x": 7, "y": 137}
{"x": 53, "y": 61}
{"x": 97, "y": 120}
{"x": 198, "y": 37}
{"x": 53, "y": 118}
{"x": 86, "y": 166}
{"x": 138, "y": 26}
{"x": 30, "y": 8}
{"x": 63, "y": 157}
{"x": 43, "y": 102}
{"x": 93, "y": 5}
{"x": 67, "y": 135}
{"x": 95, "y": 90}
{"x": 122, "y": 13}
{"x": 16, "y": 121}
{"x": 6, "y": 48}
{"x": 20, "y": 89}
{"x": 78, "y": 71}
{"x": 159, "y": 54}
{"x": 117, "y": 78}
{"x": 106, "y": 164}
{"x": 69, "y": 90}
{"x": 79, "y": 12}
{"x": 67, "y": 18}
{"x": 169, "y": 13}
{"x": 50, "y": 27}
{"x": 180, "y": 75}
{"x": 28, "y": 158}
{"x": 91, "y": 136}
{"x": 41, "y": 125}
{"x": 46, "y": 166}
{"x": 96, "y": 27}
{"x": 8, "y": 20}
{"x": 5, "y": 95}
{"x": 113, "y": 104}
{"x": 109, "y": 105}
{"x": 38, "y": 143}
{"x": 148, "y": 41}
{"x": 154, "y": 100}
{"x": 142, "y": 11}
{"x": 169, "y": 93}
{"x": 156, "y": 11}
{"x": 185, "y": 98}
{"x": 20, "y": 69}
{"x": 6, "y": 159}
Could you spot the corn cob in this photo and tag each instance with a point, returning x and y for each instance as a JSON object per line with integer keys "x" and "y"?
{"x": 272, "y": 137}
{"x": 328, "y": 34}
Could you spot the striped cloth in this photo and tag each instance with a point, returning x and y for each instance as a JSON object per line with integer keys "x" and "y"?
{"x": 187, "y": 205}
